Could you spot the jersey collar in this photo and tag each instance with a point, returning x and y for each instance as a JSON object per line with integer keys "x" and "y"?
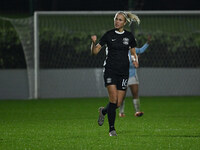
{"x": 119, "y": 32}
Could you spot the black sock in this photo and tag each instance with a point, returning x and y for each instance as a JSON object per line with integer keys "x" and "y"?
{"x": 105, "y": 110}
{"x": 111, "y": 115}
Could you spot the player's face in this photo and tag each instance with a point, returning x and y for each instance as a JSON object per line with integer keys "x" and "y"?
{"x": 119, "y": 21}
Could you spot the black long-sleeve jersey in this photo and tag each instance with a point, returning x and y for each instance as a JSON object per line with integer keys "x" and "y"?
{"x": 118, "y": 45}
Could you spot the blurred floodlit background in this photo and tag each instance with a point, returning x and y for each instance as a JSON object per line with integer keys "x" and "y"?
{"x": 45, "y": 47}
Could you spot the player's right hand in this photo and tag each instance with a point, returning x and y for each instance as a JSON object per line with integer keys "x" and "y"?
{"x": 94, "y": 38}
{"x": 149, "y": 39}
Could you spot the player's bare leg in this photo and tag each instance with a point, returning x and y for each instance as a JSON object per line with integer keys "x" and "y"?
{"x": 121, "y": 103}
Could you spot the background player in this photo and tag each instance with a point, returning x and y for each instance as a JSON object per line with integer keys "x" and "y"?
{"x": 133, "y": 83}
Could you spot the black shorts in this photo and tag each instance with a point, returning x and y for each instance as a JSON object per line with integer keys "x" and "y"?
{"x": 120, "y": 81}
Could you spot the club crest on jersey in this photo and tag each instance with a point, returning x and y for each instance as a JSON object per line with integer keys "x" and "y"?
{"x": 125, "y": 41}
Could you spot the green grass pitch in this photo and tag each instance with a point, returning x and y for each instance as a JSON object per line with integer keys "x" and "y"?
{"x": 171, "y": 123}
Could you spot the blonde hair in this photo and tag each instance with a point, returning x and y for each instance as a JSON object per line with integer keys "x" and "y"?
{"x": 129, "y": 16}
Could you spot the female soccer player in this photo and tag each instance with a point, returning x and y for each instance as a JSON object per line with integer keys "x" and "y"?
{"x": 118, "y": 41}
{"x": 133, "y": 83}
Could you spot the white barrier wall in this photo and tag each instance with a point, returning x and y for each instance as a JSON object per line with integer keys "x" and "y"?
{"x": 13, "y": 84}
{"x": 89, "y": 83}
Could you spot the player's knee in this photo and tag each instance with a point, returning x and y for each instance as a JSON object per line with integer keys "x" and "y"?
{"x": 135, "y": 94}
{"x": 118, "y": 105}
{"x": 113, "y": 99}
{"x": 119, "y": 102}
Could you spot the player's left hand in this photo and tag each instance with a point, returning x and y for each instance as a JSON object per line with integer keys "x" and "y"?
{"x": 135, "y": 61}
{"x": 136, "y": 64}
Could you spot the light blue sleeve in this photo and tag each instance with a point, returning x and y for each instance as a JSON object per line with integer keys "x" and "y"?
{"x": 142, "y": 49}
{"x": 131, "y": 66}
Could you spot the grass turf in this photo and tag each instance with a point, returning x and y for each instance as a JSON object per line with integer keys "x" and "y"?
{"x": 168, "y": 123}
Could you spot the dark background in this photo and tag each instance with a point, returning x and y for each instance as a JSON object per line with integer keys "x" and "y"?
{"x": 28, "y": 6}
{"x": 12, "y": 56}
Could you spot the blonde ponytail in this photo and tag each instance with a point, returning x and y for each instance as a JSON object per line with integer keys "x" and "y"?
{"x": 132, "y": 17}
